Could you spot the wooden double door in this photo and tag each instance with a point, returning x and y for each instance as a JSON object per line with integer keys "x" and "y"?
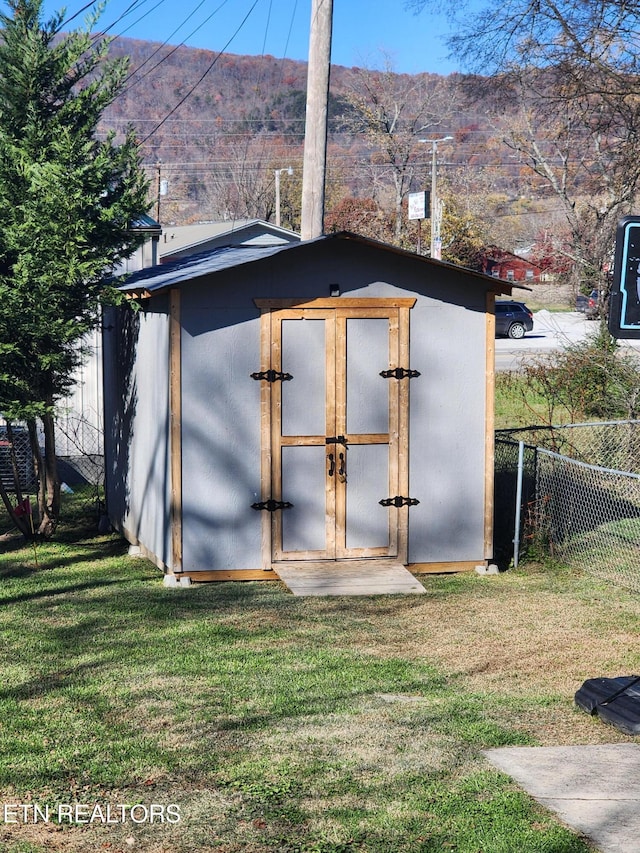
{"x": 335, "y": 429}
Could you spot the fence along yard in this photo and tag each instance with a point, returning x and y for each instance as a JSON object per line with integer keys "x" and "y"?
{"x": 580, "y": 495}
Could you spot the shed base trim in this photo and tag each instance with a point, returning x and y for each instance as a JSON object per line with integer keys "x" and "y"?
{"x": 441, "y": 568}
{"x": 231, "y": 575}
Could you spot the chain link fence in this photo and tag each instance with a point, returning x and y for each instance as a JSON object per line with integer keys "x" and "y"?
{"x": 79, "y": 443}
{"x": 580, "y": 496}
{"x": 16, "y": 458}
{"x": 79, "y": 446}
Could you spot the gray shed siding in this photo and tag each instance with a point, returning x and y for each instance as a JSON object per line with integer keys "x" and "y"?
{"x": 221, "y": 405}
{"x": 446, "y": 433}
{"x": 137, "y": 426}
{"x": 447, "y": 415}
{"x": 220, "y": 432}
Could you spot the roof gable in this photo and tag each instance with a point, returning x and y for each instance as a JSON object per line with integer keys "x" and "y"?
{"x": 186, "y": 269}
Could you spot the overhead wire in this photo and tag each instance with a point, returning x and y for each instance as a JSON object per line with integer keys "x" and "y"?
{"x": 168, "y": 39}
{"x": 256, "y": 88}
{"x": 130, "y": 8}
{"x": 201, "y": 78}
{"x": 141, "y": 18}
{"x": 173, "y": 49}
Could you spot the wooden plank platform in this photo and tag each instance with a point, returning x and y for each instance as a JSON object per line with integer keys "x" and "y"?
{"x": 348, "y": 577}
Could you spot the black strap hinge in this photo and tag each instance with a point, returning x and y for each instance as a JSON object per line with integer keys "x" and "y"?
{"x": 272, "y": 376}
{"x": 399, "y": 501}
{"x": 399, "y": 373}
{"x": 271, "y": 505}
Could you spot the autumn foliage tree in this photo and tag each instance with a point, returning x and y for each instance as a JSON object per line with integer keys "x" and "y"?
{"x": 389, "y": 112}
{"x": 571, "y": 71}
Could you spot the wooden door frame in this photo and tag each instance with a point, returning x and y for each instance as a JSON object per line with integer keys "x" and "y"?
{"x": 269, "y": 307}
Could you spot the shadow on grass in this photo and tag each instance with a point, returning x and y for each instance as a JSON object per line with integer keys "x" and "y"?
{"x": 57, "y": 591}
{"x": 45, "y": 684}
{"x": 45, "y": 557}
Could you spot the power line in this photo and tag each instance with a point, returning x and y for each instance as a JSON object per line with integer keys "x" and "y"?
{"x": 167, "y": 40}
{"x": 197, "y": 83}
{"x": 174, "y": 49}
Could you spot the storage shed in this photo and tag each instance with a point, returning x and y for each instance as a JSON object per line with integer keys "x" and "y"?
{"x": 327, "y": 400}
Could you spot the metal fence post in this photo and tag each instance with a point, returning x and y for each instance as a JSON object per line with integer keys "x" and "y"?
{"x": 516, "y": 533}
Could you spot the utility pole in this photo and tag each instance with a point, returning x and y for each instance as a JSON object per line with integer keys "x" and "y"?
{"x": 289, "y": 171}
{"x": 159, "y": 188}
{"x": 435, "y": 229}
{"x": 436, "y": 204}
{"x": 315, "y": 138}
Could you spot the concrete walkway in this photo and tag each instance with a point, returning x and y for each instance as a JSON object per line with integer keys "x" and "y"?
{"x": 594, "y": 790}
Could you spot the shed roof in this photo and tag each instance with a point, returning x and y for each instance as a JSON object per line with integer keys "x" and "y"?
{"x": 159, "y": 278}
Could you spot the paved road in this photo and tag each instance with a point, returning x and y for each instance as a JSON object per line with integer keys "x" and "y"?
{"x": 551, "y": 331}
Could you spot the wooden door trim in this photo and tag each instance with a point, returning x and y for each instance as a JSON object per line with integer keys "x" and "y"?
{"x": 403, "y": 434}
{"x": 334, "y": 302}
{"x": 265, "y": 437}
{"x": 273, "y": 311}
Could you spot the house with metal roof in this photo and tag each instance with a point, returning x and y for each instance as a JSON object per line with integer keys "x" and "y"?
{"x": 183, "y": 240}
{"x": 320, "y": 402}
{"x": 80, "y": 414}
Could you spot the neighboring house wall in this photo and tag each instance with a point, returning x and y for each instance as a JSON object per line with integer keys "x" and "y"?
{"x": 80, "y": 415}
{"x": 79, "y": 420}
{"x": 182, "y": 241}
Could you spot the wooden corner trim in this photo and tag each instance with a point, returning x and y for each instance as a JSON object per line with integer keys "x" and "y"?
{"x": 490, "y": 390}
{"x": 175, "y": 427}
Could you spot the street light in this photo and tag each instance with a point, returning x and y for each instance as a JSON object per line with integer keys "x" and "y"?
{"x": 278, "y": 172}
{"x": 436, "y": 213}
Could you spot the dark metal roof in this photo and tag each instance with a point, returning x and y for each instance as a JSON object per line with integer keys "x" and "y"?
{"x": 169, "y": 274}
{"x": 154, "y": 279}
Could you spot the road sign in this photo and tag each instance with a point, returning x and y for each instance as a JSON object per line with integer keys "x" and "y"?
{"x": 419, "y": 204}
{"x": 624, "y": 299}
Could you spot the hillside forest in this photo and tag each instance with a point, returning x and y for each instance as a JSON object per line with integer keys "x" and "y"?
{"x": 214, "y": 128}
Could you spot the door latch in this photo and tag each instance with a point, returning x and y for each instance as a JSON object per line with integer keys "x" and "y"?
{"x": 399, "y": 373}
{"x": 272, "y": 376}
{"x": 271, "y": 505}
{"x": 336, "y": 439}
{"x": 399, "y": 501}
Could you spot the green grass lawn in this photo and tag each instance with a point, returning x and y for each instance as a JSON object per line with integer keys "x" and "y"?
{"x": 275, "y": 723}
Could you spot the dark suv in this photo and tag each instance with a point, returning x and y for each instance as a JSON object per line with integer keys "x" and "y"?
{"x": 513, "y": 319}
{"x": 589, "y": 305}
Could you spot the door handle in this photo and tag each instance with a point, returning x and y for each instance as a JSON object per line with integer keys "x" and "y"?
{"x": 331, "y": 465}
{"x": 342, "y": 473}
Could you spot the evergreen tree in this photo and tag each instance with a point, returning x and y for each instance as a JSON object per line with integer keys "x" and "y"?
{"x": 66, "y": 202}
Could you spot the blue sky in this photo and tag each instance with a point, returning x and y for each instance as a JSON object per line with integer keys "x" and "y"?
{"x": 361, "y": 29}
